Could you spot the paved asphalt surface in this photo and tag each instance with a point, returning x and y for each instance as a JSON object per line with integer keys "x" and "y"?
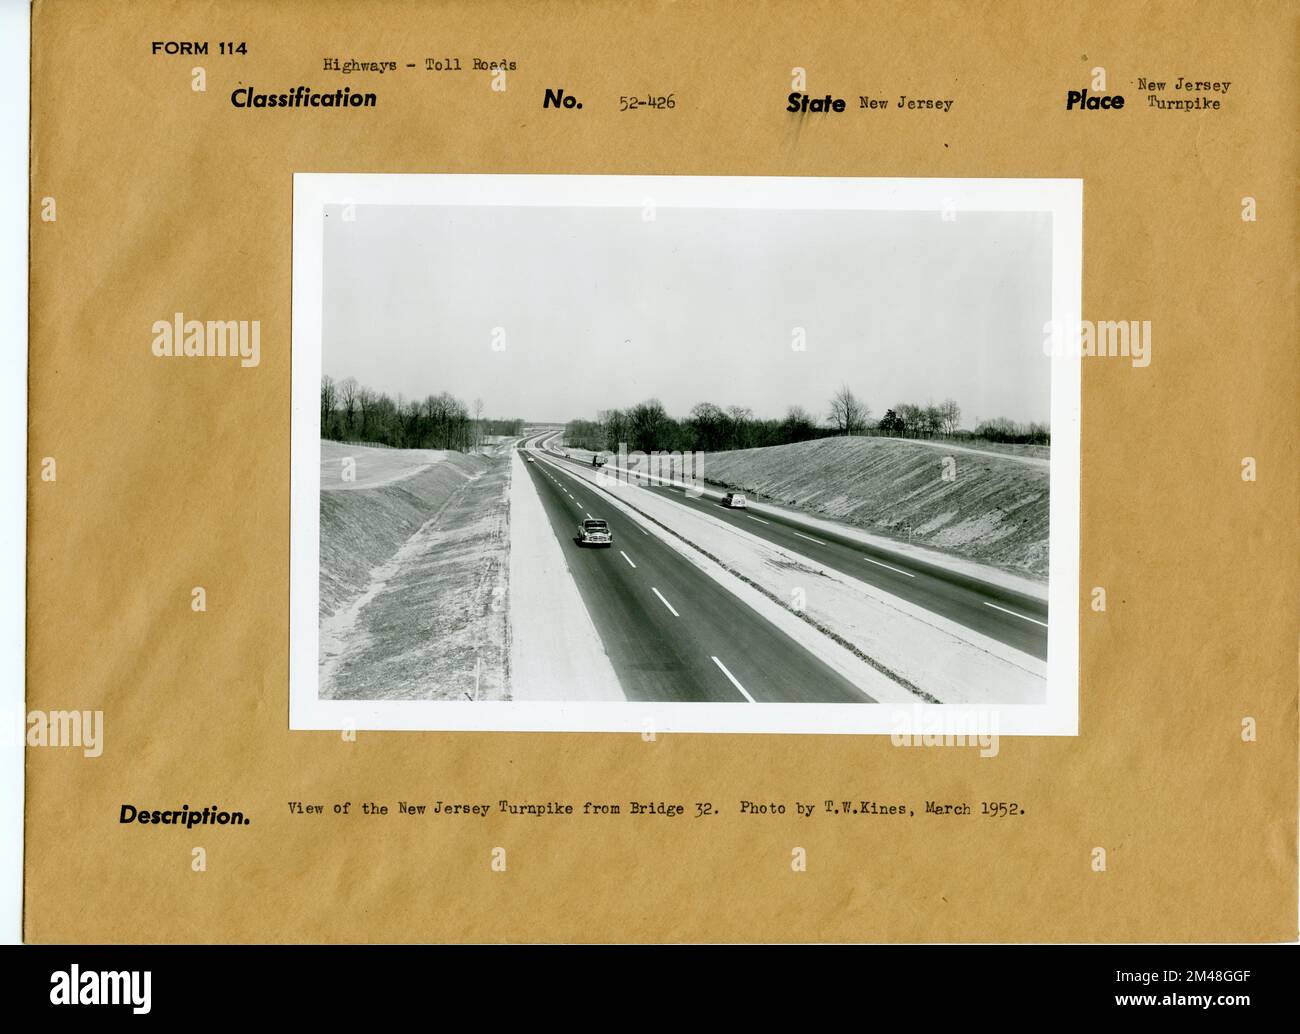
{"x": 671, "y": 631}
{"x": 1010, "y": 617}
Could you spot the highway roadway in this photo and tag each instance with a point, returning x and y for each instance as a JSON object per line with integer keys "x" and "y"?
{"x": 1013, "y": 618}
{"x": 671, "y": 632}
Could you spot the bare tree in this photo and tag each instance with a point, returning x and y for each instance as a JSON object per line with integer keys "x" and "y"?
{"x": 412, "y": 424}
{"x": 709, "y": 424}
{"x": 848, "y": 413}
{"x": 478, "y": 424}
{"x": 436, "y": 415}
{"x": 348, "y": 396}
{"x": 647, "y": 422}
{"x": 617, "y": 429}
{"x": 933, "y": 419}
{"x": 740, "y": 417}
{"x": 951, "y": 415}
{"x": 366, "y": 404}
{"x": 328, "y": 398}
{"x": 912, "y": 419}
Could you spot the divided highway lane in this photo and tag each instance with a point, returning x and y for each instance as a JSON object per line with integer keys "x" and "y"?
{"x": 671, "y": 631}
{"x": 1010, "y": 617}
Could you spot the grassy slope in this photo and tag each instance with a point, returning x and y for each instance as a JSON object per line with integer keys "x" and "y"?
{"x": 994, "y": 512}
{"x": 429, "y": 552}
{"x": 361, "y": 529}
{"x": 435, "y": 626}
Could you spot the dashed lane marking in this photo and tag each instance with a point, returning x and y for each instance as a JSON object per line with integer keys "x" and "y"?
{"x": 665, "y": 602}
{"x": 887, "y": 567}
{"x": 1022, "y": 617}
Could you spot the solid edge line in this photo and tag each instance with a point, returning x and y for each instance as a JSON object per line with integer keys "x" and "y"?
{"x": 734, "y": 681}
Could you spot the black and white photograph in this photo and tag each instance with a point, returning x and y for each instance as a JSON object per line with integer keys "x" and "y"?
{"x": 638, "y": 453}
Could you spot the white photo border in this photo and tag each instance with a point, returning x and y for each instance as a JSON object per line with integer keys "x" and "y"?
{"x": 1062, "y": 198}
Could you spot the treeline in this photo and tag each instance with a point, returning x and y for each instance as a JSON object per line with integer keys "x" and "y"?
{"x": 910, "y": 421}
{"x": 353, "y": 413}
{"x": 1000, "y": 429}
{"x": 647, "y": 427}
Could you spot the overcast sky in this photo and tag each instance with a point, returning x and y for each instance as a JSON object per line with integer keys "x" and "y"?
{"x": 602, "y": 309}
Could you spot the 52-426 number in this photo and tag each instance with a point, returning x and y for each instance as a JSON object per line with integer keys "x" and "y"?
{"x": 666, "y": 102}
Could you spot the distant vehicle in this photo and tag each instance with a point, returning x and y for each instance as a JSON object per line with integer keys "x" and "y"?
{"x": 597, "y": 460}
{"x": 529, "y": 458}
{"x": 735, "y": 501}
{"x": 595, "y": 533}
